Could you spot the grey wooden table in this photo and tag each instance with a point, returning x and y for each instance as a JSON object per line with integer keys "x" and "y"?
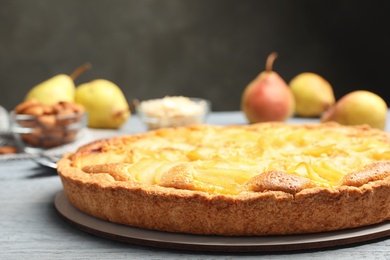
{"x": 31, "y": 228}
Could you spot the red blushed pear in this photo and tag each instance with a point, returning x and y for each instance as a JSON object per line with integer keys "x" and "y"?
{"x": 268, "y": 97}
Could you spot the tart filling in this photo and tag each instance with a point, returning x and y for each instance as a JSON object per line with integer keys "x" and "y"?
{"x": 261, "y": 179}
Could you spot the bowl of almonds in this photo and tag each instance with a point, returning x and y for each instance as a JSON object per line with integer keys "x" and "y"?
{"x": 37, "y": 127}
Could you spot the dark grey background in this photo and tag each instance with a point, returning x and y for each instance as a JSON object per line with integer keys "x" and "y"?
{"x": 202, "y": 48}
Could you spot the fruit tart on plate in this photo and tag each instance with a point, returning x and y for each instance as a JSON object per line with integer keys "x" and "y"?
{"x": 259, "y": 179}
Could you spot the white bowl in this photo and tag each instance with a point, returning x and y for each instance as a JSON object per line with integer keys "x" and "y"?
{"x": 173, "y": 111}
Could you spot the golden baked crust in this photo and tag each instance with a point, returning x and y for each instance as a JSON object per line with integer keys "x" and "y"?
{"x": 260, "y": 179}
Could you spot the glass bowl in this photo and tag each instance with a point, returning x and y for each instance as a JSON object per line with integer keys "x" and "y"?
{"x": 173, "y": 111}
{"x": 37, "y": 133}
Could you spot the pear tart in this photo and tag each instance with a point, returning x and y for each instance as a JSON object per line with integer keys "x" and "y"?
{"x": 259, "y": 179}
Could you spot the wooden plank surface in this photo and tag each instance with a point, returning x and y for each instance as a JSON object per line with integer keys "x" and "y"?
{"x": 31, "y": 228}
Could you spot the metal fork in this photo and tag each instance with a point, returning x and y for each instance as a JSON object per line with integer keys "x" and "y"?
{"x": 47, "y": 160}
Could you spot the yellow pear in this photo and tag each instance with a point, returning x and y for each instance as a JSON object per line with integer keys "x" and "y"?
{"x": 53, "y": 90}
{"x": 104, "y": 102}
{"x": 357, "y": 108}
{"x": 58, "y": 88}
{"x": 313, "y": 94}
{"x": 267, "y": 97}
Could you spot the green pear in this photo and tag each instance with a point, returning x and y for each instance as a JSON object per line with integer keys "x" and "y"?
{"x": 313, "y": 94}
{"x": 267, "y": 97}
{"x": 58, "y": 88}
{"x": 104, "y": 102}
{"x": 357, "y": 108}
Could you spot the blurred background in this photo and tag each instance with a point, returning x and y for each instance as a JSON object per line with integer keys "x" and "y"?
{"x": 201, "y": 48}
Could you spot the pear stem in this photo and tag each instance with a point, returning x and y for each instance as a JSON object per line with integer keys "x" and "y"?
{"x": 80, "y": 70}
{"x": 270, "y": 61}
